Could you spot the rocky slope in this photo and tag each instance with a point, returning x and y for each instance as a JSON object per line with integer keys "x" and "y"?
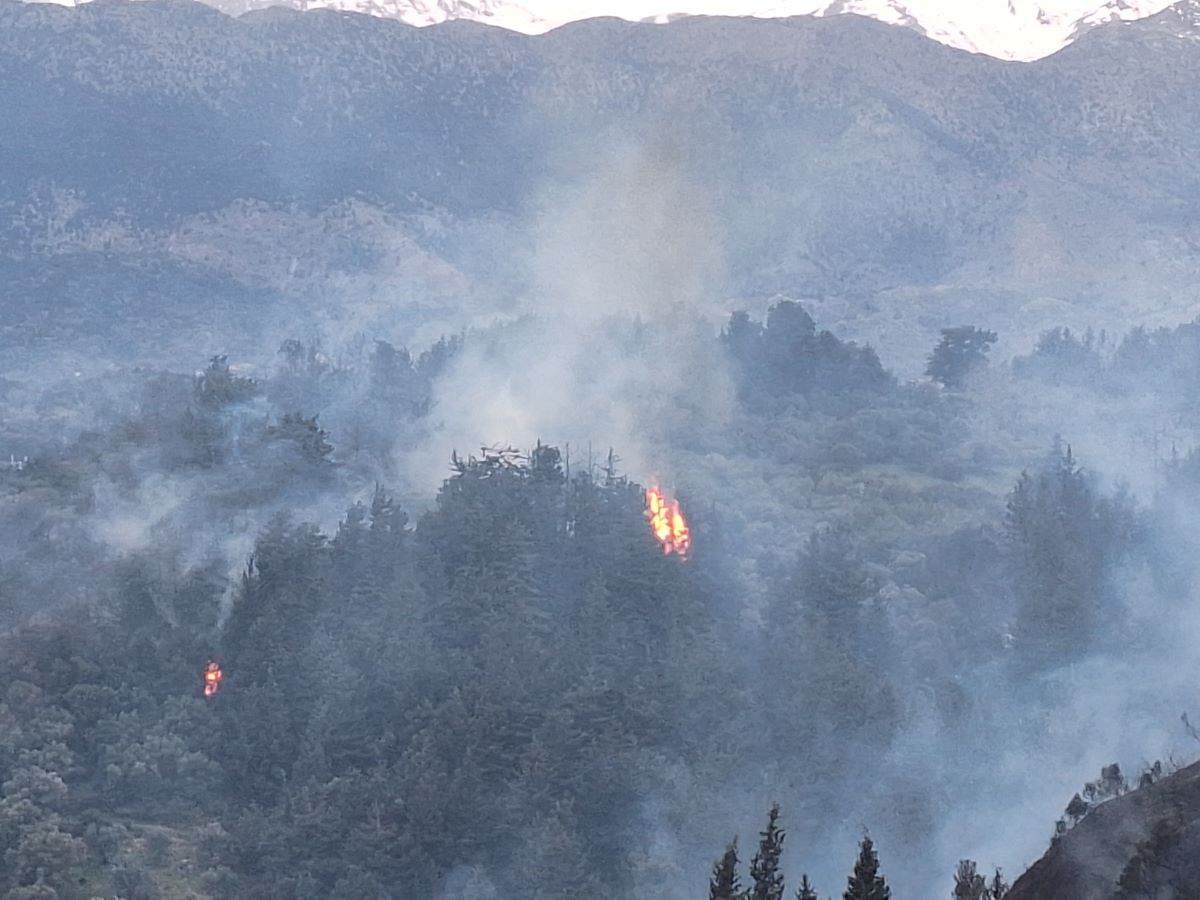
{"x": 1143, "y": 844}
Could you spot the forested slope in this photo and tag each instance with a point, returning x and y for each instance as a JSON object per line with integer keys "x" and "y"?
{"x": 515, "y": 692}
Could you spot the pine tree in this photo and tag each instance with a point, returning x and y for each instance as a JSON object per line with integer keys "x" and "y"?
{"x": 725, "y": 884}
{"x": 866, "y": 883}
{"x": 969, "y": 884}
{"x": 805, "y": 891}
{"x": 764, "y": 868}
{"x": 960, "y": 350}
{"x": 1077, "y": 809}
{"x": 998, "y": 887}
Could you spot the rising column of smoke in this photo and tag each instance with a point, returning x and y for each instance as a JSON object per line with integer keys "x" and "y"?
{"x": 612, "y": 349}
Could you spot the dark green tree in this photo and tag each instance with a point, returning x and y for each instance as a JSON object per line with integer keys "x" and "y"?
{"x": 764, "y": 868}
{"x": 959, "y": 351}
{"x": 998, "y": 887}
{"x": 1077, "y": 809}
{"x": 788, "y": 357}
{"x": 299, "y": 440}
{"x": 968, "y": 883}
{"x": 303, "y": 360}
{"x": 725, "y": 883}
{"x": 866, "y": 883}
{"x": 1063, "y": 357}
{"x": 1065, "y": 540}
{"x": 825, "y": 634}
{"x": 806, "y": 890}
{"x": 218, "y": 386}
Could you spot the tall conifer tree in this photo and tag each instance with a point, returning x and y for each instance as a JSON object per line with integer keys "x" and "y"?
{"x": 725, "y": 884}
{"x": 968, "y": 883}
{"x": 866, "y": 883}
{"x": 764, "y": 868}
{"x": 998, "y": 887}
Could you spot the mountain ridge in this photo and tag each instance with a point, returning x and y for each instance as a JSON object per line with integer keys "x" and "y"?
{"x": 1012, "y": 29}
{"x": 855, "y": 164}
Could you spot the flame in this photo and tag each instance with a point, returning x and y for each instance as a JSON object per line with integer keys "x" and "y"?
{"x": 667, "y": 522}
{"x": 212, "y": 678}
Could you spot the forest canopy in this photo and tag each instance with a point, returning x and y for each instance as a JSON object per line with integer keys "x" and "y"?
{"x": 510, "y": 690}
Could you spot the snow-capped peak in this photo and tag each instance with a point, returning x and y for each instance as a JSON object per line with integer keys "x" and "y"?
{"x": 502, "y": 13}
{"x": 1007, "y": 29}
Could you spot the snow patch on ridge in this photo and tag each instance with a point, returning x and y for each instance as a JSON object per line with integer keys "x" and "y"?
{"x": 1006, "y": 29}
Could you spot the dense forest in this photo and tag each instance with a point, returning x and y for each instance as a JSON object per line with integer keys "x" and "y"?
{"x": 735, "y": 457}
{"x": 507, "y": 688}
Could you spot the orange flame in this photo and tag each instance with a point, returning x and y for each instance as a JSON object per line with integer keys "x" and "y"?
{"x": 212, "y": 679}
{"x": 667, "y": 522}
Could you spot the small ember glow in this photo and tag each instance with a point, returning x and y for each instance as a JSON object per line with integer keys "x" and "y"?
{"x": 667, "y": 523}
{"x": 212, "y": 678}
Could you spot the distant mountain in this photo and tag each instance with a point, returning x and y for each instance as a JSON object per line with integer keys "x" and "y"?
{"x": 508, "y": 14}
{"x": 837, "y": 159}
{"x": 1006, "y": 29}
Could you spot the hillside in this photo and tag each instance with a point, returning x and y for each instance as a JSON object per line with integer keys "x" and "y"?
{"x": 451, "y": 464}
{"x": 839, "y": 159}
{"x": 1150, "y": 838}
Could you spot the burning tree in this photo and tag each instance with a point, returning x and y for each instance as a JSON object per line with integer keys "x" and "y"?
{"x": 212, "y": 678}
{"x": 667, "y": 522}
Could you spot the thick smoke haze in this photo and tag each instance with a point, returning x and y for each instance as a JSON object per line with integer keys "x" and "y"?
{"x": 262, "y": 413}
{"x": 611, "y": 344}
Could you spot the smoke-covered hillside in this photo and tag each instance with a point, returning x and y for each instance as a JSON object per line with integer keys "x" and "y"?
{"x": 338, "y": 360}
{"x": 282, "y": 156}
